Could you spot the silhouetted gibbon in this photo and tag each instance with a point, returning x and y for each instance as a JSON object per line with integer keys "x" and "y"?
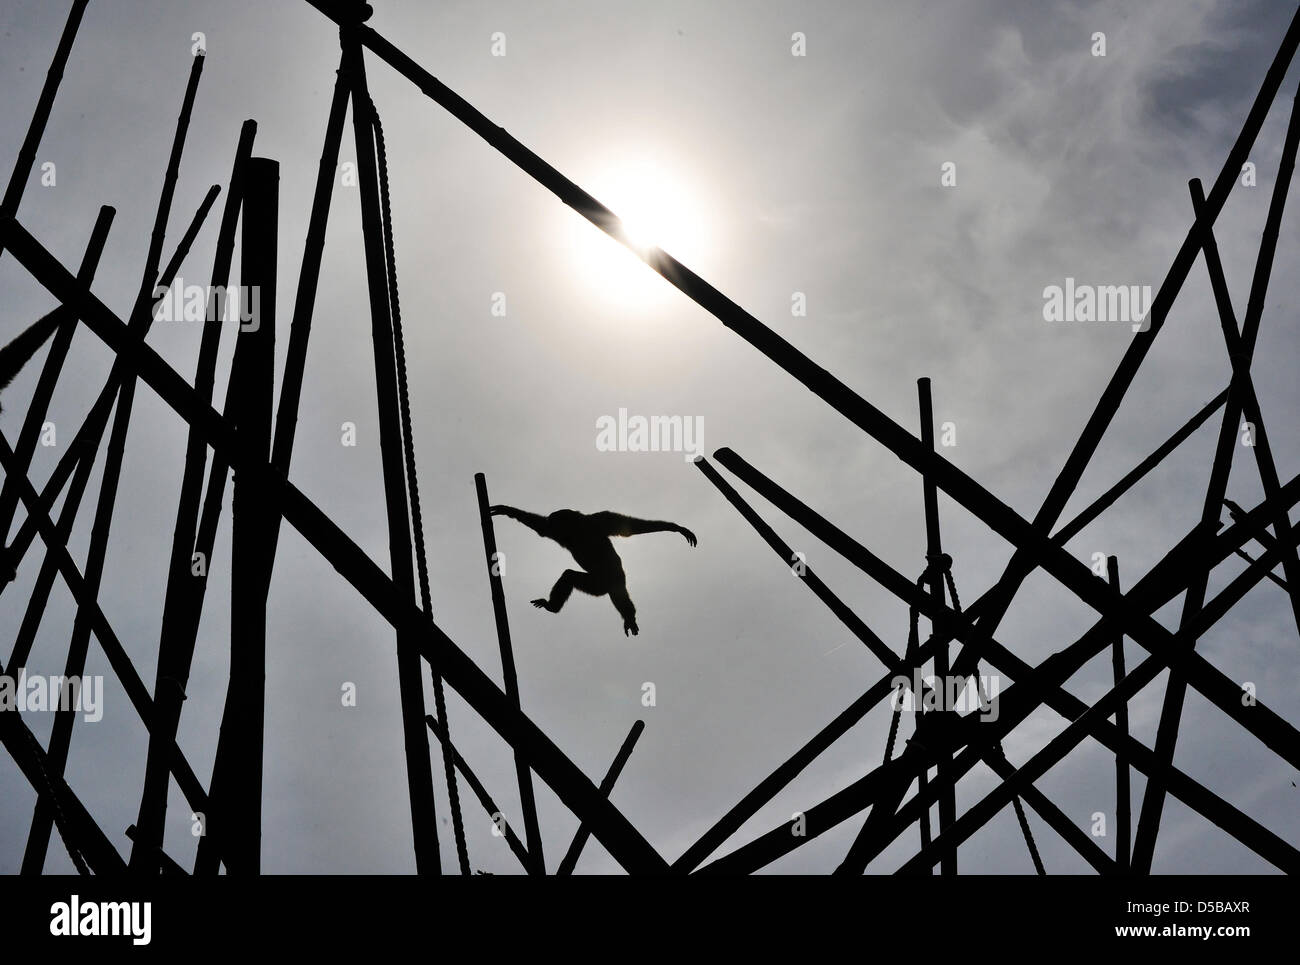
{"x": 586, "y": 536}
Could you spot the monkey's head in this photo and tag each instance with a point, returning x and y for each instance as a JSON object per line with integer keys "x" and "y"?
{"x": 563, "y": 519}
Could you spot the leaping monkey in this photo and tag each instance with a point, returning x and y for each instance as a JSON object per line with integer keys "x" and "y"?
{"x": 586, "y": 536}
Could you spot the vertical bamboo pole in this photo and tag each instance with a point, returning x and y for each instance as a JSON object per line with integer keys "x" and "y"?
{"x": 522, "y": 770}
{"x": 418, "y": 769}
{"x": 933, "y": 550}
{"x": 183, "y": 603}
{"x": 1123, "y": 802}
{"x": 237, "y": 775}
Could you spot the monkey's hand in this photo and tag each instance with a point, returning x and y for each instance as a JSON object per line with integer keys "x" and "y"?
{"x": 501, "y": 510}
{"x": 690, "y": 537}
{"x": 629, "y": 627}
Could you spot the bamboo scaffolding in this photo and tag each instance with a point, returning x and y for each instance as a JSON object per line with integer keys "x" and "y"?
{"x": 830, "y": 389}
{"x": 1116, "y": 610}
{"x": 609, "y": 826}
{"x": 241, "y": 440}
{"x": 1241, "y": 350}
{"x": 89, "y": 435}
{"x": 118, "y": 660}
{"x": 52, "y": 368}
{"x": 38, "y": 838}
{"x": 183, "y": 602}
{"x": 750, "y": 804}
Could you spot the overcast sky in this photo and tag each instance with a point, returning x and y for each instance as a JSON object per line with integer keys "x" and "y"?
{"x": 769, "y": 174}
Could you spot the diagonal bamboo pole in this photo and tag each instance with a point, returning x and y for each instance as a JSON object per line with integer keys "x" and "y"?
{"x": 44, "y": 104}
{"x": 570, "y": 859}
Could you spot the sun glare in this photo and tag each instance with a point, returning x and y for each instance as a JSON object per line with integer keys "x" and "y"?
{"x": 657, "y": 210}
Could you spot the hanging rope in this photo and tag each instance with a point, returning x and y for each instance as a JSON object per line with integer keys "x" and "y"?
{"x": 52, "y": 796}
{"x": 942, "y": 561}
{"x": 412, "y": 484}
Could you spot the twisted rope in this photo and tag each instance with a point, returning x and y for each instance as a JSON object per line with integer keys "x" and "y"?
{"x": 412, "y": 484}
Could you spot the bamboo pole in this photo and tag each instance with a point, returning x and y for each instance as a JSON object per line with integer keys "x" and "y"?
{"x": 419, "y": 773}
{"x": 522, "y": 770}
{"x": 570, "y": 860}
{"x": 167, "y": 865}
{"x": 183, "y": 603}
{"x": 1123, "y": 802}
{"x": 44, "y": 104}
{"x": 237, "y": 772}
{"x": 933, "y": 551}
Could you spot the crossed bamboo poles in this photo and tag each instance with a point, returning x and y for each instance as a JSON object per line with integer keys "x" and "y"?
{"x": 241, "y": 440}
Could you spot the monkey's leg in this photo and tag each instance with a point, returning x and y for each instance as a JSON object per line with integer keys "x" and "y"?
{"x": 623, "y": 603}
{"x": 569, "y": 581}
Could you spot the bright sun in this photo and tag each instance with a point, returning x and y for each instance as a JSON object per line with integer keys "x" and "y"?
{"x": 657, "y": 209}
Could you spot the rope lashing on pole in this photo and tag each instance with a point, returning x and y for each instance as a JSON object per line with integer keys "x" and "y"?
{"x": 942, "y": 563}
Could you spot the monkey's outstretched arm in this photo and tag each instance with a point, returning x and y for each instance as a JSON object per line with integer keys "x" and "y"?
{"x": 616, "y": 524}
{"x": 532, "y": 520}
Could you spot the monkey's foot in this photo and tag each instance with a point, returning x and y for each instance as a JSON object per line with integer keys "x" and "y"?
{"x": 629, "y": 626}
